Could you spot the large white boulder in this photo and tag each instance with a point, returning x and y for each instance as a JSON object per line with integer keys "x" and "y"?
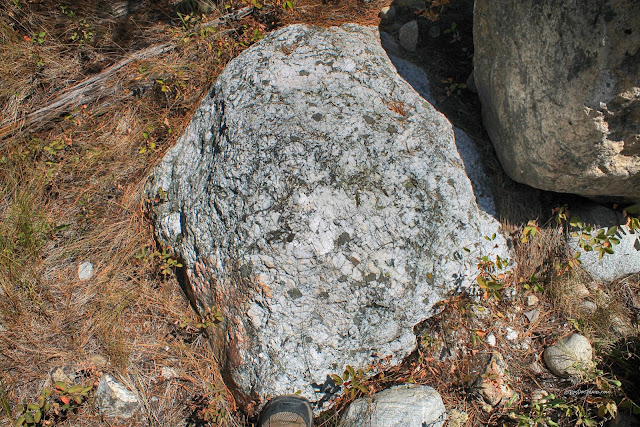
{"x": 321, "y": 204}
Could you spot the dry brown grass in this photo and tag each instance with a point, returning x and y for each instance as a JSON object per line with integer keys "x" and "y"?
{"x": 74, "y": 193}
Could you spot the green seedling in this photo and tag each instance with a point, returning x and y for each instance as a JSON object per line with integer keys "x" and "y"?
{"x": 492, "y": 276}
{"x": 455, "y": 34}
{"x": 168, "y": 262}
{"x": 351, "y": 381}
{"x": 39, "y": 37}
{"x": 589, "y": 239}
{"x": 212, "y": 318}
{"x": 532, "y": 284}
{"x": 530, "y": 231}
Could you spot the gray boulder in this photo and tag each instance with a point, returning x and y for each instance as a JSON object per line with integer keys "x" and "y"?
{"x": 399, "y": 406}
{"x": 408, "y": 35}
{"x": 559, "y": 83}
{"x": 321, "y": 204}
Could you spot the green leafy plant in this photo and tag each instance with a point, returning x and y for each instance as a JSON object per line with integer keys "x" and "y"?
{"x": 54, "y": 147}
{"x": 210, "y": 408}
{"x": 351, "y": 381}
{"x": 541, "y": 411}
{"x": 143, "y": 255}
{"x": 149, "y": 144}
{"x": 212, "y": 318}
{"x": 65, "y": 10}
{"x": 590, "y": 239}
{"x": 601, "y": 240}
{"x": 167, "y": 260}
{"x": 455, "y": 34}
{"x": 477, "y": 336}
{"x": 595, "y": 398}
{"x": 532, "y": 283}
{"x": 492, "y": 274}
{"x": 561, "y": 214}
{"x": 257, "y": 35}
{"x": 631, "y": 213}
{"x": 39, "y": 37}
{"x": 453, "y": 88}
{"x": 530, "y": 231}
{"x": 633, "y": 222}
{"x": 162, "y": 194}
{"x": 82, "y": 31}
{"x": 188, "y": 21}
{"x": 53, "y": 405}
{"x": 547, "y": 412}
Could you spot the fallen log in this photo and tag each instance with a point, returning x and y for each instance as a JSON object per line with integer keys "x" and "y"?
{"x": 85, "y": 92}
{"x": 97, "y": 87}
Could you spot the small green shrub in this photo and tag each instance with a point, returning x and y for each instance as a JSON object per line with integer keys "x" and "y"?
{"x": 590, "y": 239}
{"x": 492, "y": 276}
{"x": 53, "y": 405}
{"x": 82, "y": 31}
{"x": 351, "y": 381}
{"x": 167, "y": 260}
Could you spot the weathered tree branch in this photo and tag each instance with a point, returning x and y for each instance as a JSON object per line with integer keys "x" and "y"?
{"x": 97, "y": 87}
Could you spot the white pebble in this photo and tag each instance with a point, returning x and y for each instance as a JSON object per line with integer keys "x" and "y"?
{"x": 85, "y": 270}
{"x": 491, "y": 340}
{"x": 512, "y": 334}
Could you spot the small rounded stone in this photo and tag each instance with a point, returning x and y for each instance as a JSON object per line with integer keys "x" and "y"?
{"x": 571, "y": 356}
{"x": 85, "y": 270}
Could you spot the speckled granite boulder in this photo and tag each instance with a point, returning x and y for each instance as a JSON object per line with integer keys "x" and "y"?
{"x": 320, "y": 202}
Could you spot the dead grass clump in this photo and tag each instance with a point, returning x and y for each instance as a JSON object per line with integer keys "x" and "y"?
{"x": 539, "y": 255}
{"x": 73, "y": 192}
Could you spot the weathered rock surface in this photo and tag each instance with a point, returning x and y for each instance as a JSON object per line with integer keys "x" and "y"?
{"x": 493, "y": 385}
{"x": 399, "y": 406}
{"x": 114, "y": 400}
{"x": 85, "y": 270}
{"x": 572, "y": 355}
{"x": 387, "y": 13}
{"x": 320, "y": 202}
{"x": 559, "y": 84}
